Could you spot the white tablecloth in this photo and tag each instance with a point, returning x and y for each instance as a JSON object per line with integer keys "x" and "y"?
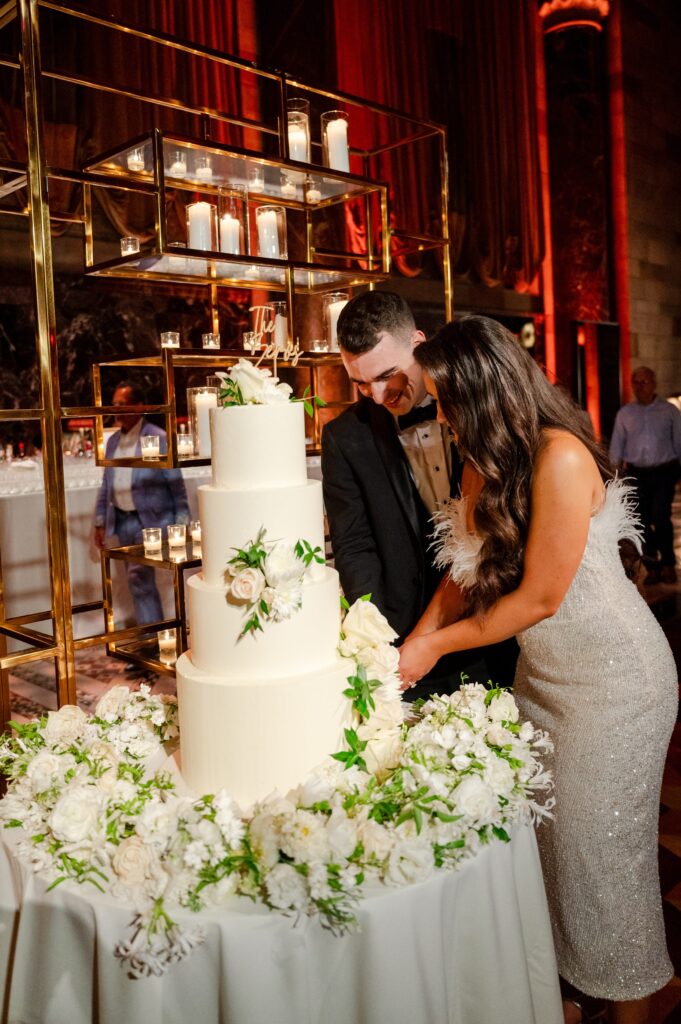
{"x": 467, "y": 947}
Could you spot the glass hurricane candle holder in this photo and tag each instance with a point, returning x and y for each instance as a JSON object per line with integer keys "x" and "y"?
{"x": 199, "y": 403}
{"x": 251, "y": 341}
{"x": 280, "y": 321}
{"x": 203, "y": 168}
{"x": 202, "y": 226}
{"x": 210, "y": 340}
{"x": 288, "y": 187}
{"x": 271, "y": 225}
{"x": 151, "y": 446}
{"x": 185, "y": 445}
{"x": 177, "y": 535}
{"x": 319, "y": 345}
{"x": 312, "y": 193}
{"x": 256, "y": 178}
{"x": 152, "y": 540}
{"x": 233, "y": 218}
{"x": 129, "y": 245}
{"x": 335, "y": 151}
{"x": 136, "y": 160}
{"x": 167, "y": 639}
{"x": 334, "y": 303}
{"x": 170, "y": 339}
{"x": 178, "y": 164}
{"x": 298, "y": 128}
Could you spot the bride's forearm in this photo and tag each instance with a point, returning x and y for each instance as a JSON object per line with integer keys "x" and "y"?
{"x": 444, "y": 607}
{"x": 511, "y": 615}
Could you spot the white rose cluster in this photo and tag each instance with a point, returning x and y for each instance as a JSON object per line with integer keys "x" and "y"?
{"x": 256, "y": 384}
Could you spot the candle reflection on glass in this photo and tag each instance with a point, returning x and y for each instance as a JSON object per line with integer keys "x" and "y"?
{"x": 195, "y": 531}
{"x": 136, "y": 160}
{"x": 129, "y": 245}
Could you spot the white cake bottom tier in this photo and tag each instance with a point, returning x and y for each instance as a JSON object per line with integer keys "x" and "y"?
{"x": 304, "y": 643}
{"x": 256, "y": 735}
{"x": 231, "y": 519}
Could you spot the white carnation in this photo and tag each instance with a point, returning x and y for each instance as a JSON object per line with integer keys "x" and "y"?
{"x": 497, "y": 735}
{"x": 378, "y": 840}
{"x": 286, "y": 889}
{"x": 285, "y": 603}
{"x": 264, "y": 839}
{"x": 500, "y": 776}
{"x": 341, "y": 832}
{"x": 303, "y": 837}
{"x": 157, "y": 822}
{"x": 411, "y": 860}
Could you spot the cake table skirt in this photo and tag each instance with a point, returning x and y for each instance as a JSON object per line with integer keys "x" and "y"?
{"x": 466, "y": 947}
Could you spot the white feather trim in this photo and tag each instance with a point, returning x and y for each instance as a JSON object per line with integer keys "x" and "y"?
{"x": 457, "y": 548}
{"x": 617, "y": 518}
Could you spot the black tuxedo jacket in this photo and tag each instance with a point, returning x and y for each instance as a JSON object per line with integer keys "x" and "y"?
{"x": 379, "y": 532}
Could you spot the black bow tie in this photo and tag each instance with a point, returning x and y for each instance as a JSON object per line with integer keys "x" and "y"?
{"x": 419, "y": 414}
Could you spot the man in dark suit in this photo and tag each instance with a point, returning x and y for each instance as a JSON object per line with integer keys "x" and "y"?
{"x": 386, "y": 466}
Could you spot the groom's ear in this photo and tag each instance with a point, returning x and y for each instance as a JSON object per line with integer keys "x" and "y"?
{"x": 417, "y": 338}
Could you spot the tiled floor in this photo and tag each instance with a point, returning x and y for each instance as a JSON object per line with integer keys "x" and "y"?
{"x": 33, "y": 692}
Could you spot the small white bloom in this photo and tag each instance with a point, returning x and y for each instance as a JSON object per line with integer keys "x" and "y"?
{"x": 411, "y": 860}
{"x": 303, "y": 837}
{"x": 286, "y": 889}
{"x": 196, "y": 854}
{"x": 285, "y": 603}
{"x": 264, "y": 839}
{"x": 247, "y": 585}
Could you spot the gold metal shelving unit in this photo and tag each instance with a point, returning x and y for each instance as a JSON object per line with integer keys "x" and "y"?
{"x": 322, "y": 270}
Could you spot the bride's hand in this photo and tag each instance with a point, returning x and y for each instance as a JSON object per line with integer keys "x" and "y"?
{"x": 417, "y": 657}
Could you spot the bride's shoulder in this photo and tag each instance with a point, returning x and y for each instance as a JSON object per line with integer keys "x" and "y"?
{"x": 563, "y": 457}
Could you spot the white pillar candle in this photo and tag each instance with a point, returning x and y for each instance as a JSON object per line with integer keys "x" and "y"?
{"x": 297, "y": 143}
{"x": 335, "y": 309}
{"x": 230, "y": 234}
{"x": 268, "y": 235}
{"x": 200, "y": 225}
{"x": 280, "y": 331}
{"x": 337, "y": 144}
{"x": 204, "y": 403}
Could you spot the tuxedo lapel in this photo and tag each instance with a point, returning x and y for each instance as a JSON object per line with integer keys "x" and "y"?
{"x": 392, "y": 455}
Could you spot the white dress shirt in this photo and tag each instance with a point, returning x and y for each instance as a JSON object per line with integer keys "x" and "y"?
{"x": 122, "y": 476}
{"x": 428, "y": 452}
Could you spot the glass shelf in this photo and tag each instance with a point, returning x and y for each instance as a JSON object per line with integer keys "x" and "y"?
{"x": 191, "y": 267}
{"x": 207, "y": 167}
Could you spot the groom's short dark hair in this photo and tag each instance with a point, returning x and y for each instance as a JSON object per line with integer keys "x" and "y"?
{"x": 366, "y": 317}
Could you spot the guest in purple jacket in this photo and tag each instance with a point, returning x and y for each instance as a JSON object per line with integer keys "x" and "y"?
{"x": 132, "y": 499}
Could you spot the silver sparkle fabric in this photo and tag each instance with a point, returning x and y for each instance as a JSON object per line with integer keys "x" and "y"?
{"x": 600, "y": 677}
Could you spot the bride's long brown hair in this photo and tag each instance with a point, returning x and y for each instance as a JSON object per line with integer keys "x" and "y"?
{"x": 499, "y": 403}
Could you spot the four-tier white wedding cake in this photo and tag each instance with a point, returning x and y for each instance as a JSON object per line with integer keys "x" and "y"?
{"x": 260, "y": 706}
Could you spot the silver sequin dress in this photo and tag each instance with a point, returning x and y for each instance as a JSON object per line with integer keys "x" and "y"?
{"x": 600, "y": 677}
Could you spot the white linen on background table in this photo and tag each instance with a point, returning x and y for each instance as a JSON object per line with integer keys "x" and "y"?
{"x": 471, "y": 946}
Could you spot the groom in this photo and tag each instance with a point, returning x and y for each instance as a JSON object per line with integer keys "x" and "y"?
{"x": 386, "y": 466}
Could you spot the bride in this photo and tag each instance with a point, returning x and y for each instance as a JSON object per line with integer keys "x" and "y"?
{"x": 531, "y": 549}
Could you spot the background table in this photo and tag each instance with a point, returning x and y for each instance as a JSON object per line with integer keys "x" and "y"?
{"x": 466, "y": 947}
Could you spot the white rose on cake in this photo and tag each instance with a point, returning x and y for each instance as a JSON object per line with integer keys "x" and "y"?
{"x": 257, "y": 385}
{"x": 364, "y": 626}
{"x": 247, "y": 585}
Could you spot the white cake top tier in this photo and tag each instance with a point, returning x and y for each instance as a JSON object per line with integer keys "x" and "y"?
{"x": 258, "y": 446}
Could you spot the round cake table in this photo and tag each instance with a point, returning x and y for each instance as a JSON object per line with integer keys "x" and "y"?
{"x": 471, "y": 946}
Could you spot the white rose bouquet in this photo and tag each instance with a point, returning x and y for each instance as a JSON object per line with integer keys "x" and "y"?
{"x": 268, "y": 578}
{"x": 248, "y": 384}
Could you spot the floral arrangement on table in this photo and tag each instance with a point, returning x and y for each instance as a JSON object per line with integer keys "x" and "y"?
{"x": 245, "y": 383}
{"x": 267, "y": 578}
{"x": 94, "y": 803}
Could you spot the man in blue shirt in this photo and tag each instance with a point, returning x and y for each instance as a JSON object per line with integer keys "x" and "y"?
{"x": 646, "y": 443}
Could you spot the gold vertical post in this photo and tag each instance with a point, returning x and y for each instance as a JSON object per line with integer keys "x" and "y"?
{"x": 446, "y": 252}
{"x": 5, "y": 712}
{"x": 41, "y": 247}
